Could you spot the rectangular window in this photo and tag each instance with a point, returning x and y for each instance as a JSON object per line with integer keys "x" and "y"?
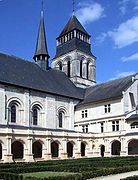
{"x": 115, "y": 125}
{"x": 85, "y": 128}
{"x": 132, "y": 100}
{"x": 84, "y": 114}
{"x": 107, "y": 108}
{"x": 102, "y": 127}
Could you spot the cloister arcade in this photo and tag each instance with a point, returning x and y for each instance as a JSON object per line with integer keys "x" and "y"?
{"x": 19, "y": 149}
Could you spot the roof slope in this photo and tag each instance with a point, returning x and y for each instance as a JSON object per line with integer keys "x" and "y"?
{"x": 106, "y": 91}
{"x": 18, "y": 72}
{"x": 72, "y": 24}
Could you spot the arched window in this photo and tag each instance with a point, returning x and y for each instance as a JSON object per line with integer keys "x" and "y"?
{"x": 134, "y": 125}
{"x": 68, "y": 68}
{"x": 60, "y": 118}
{"x": 35, "y": 116}
{"x": 60, "y": 66}
{"x": 87, "y": 70}
{"x": 81, "y": 68}
{"x": 13, "y": 113}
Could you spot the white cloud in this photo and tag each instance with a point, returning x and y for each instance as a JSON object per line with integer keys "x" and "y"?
{"x": 126, "y": 34}
{"x": 126, "y": 5}
{"x": 89, "y": 12}
{"x": 133, "y": 57}
{"x": 101, "y": 38}
{"x": 123, "y": 74}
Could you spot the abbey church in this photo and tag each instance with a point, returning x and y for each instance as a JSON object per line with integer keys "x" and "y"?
{"x": 59, "y": 112}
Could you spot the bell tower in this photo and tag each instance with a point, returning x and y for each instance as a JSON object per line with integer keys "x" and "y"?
{"x": 73, "y": 54}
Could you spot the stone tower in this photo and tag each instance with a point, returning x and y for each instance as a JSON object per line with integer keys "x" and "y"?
{"x": 73, "y": 54}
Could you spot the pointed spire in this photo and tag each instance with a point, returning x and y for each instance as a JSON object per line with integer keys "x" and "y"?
{"x": 41, "y": 52}
{"x": 73, "y": 7}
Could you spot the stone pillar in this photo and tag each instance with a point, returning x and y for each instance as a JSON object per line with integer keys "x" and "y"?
{"x": 89, "y": 150}
{"x": 64, "y": 151}
{"x": 123, "y": 151}
{"x": 77, "y": 149}
{"x": 8, "y": 156}
{"x": 29, "y": 156}
{"x": 47, "y": 155}
{"x": 107, "y": 152}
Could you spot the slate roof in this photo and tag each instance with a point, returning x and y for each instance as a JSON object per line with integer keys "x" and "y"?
{"x": 41, "y": 46}
{"x": 72, "y": 24}
{"x": 132, "y": 117}
{"x": 18, "y": 72}
{"x": 106, "y": 91}
{"x": 73, "y": 44}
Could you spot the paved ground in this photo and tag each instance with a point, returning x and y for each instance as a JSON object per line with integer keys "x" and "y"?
{"x": 117, "y": 176}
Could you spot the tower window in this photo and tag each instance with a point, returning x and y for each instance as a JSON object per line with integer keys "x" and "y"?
{"x": 80, "y": 68}
{"x": 68, "y": 69}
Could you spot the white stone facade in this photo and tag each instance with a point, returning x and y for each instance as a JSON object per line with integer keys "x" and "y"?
{"x": 82, "y": 67}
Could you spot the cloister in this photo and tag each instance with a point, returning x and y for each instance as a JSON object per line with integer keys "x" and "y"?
{"x": 56, "y": 151}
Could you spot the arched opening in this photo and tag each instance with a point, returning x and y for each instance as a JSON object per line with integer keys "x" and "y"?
{"x": 17, "y": 150}
{"x": 83, "y": 149}
{"x": 116, "y": 148}
{"x": 54, "y": 149}
{"x": 13, "y": 113}
{"x": 81, "y": 68}
{"x": 102, "y": 150}
{"x": 87, "y": 70}
{"x": 61, "y": 118}
{"x": 0, "y": 151}
{"x": 35, "y": 116}
{"x": 70, "y": 149}
{"x": 37, "y": 149}
{"x": 60, "y": 66}
{"x": 68, "y": 68}
{"x": 133, "y": 147}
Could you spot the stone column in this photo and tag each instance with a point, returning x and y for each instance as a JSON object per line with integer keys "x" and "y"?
{"x": 107, "y": 148}
{"x": 8, "y": 156}
{"x": 47, "y": 155}
{"x": 64, "y": 151}
{"x": 77, "y": 150}
{"x": 29, "y": 156}
{"x": 123, "y": 151}
{"x": 89, "y": 150}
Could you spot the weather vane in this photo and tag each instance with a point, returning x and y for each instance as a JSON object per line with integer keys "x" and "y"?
{"x": 42, "y": 7}
{"x": 73, "y": 7}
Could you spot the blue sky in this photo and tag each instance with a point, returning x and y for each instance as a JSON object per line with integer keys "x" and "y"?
{"x": 112, "y": 24}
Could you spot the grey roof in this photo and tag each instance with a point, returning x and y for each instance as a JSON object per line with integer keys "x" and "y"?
{"x": 18, "y": 72}
{"x": 73, "y": 44}
{"x": 72, "y": 24}
{"x": 41, "y": 46}
{"x": 132, "y": 117}
{"x": 106, "y": 91}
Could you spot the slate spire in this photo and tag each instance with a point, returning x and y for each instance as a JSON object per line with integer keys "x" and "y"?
{"x": 41, "y": 53}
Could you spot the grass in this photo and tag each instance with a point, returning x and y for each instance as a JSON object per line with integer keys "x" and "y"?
{"x": 46, "y": 174}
